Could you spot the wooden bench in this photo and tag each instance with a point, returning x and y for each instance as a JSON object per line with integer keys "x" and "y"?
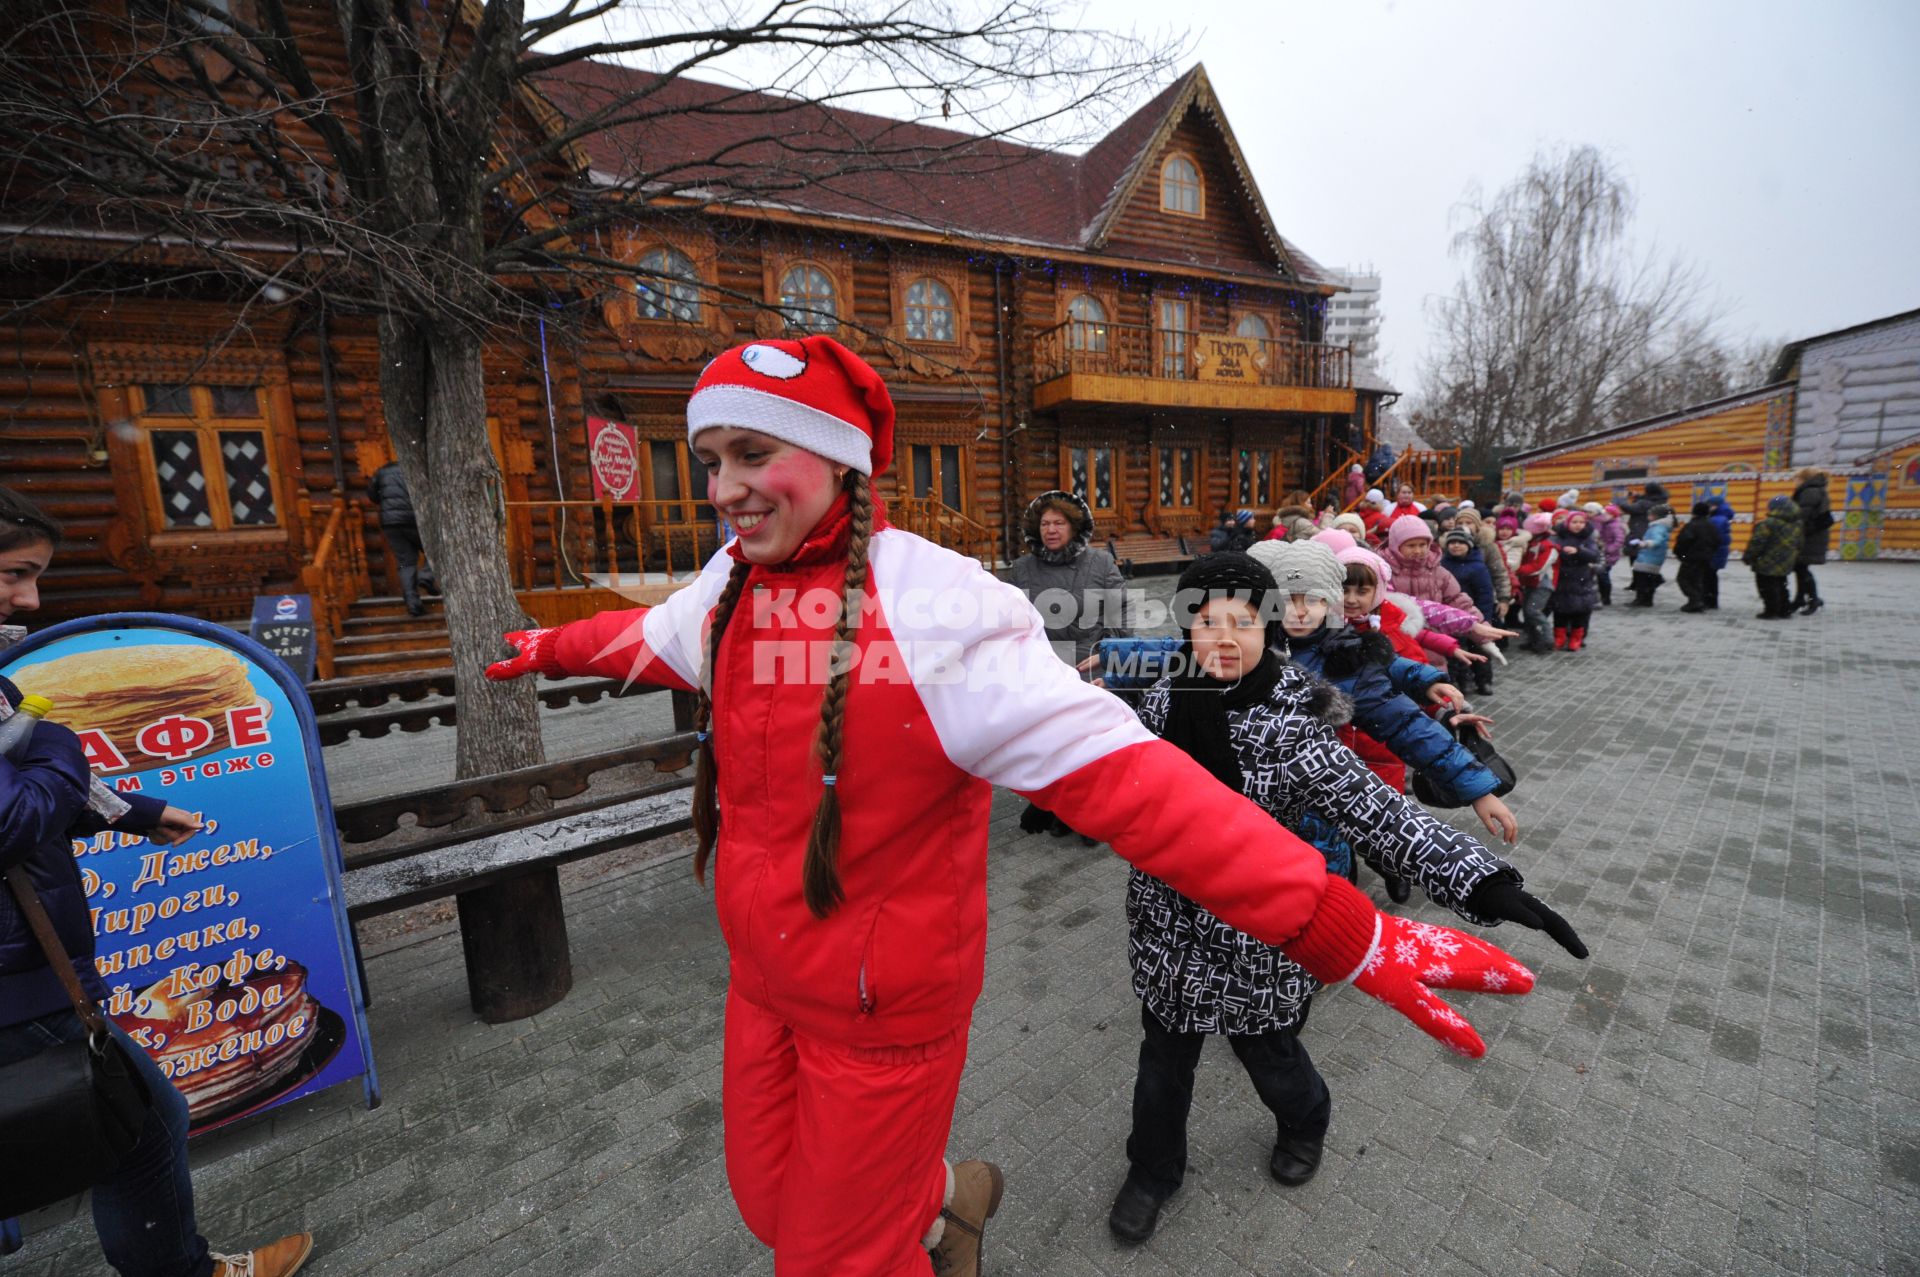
{"x": 374, "y": 705}
{"x": 1147, "y": 555}
{"x": 515, "y": 941}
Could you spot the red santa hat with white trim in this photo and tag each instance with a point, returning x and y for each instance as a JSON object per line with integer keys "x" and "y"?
{"x": 813, "y": 393}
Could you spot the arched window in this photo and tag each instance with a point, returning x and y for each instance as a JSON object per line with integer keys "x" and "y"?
{"x": 930, "y": 311}
{"x": 1180, "y": 187}
{"x": 808, "y": 300}
{"x": 668, "y": 286}
{"x": 1253, "y": 326}
{"x": 1087, "y": 328}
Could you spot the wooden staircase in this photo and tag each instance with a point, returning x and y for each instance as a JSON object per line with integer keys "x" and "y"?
{"x": 378, "y": 637}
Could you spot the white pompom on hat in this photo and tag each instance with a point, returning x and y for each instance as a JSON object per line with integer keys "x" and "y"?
{"x": 813, "y": 393}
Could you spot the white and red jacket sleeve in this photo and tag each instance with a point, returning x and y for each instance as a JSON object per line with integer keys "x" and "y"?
{"x": 660, "y": 644}
{"x": 1007, "y": 710}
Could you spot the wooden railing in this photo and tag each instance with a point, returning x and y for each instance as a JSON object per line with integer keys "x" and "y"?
{"x": 1336, "y": 479}
{"x": 1137, "y": 350}
{"x": 943, "y": 525}
{"x": 561, "y": 545}
{"x": 1429, "y": 470}
{"x": 334, "y": 577}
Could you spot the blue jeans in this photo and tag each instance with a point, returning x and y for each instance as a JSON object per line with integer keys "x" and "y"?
{"x": 143, "y": 1212}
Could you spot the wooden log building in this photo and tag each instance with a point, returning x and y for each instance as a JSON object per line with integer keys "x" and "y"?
{"x": 1846, "y": 401}
{"x": 1129, "y": 323}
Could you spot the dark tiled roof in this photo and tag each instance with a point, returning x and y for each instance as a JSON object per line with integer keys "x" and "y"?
{"x": 703, "y": 140}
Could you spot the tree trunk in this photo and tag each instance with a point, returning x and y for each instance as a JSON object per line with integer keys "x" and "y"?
{"x": 433, "y": 382}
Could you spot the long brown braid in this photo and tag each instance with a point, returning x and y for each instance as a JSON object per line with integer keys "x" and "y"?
{"x": 706, "y": 811}
{"x": 820, "y": 873}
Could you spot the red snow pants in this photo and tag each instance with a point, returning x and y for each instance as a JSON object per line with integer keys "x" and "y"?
{"x": 835, "y": 1153}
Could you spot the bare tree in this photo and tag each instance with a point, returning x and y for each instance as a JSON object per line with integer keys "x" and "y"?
{"x": 404, "y": 159}
{"x": 408, "y": 162}
{"x": 1558, "y": 327}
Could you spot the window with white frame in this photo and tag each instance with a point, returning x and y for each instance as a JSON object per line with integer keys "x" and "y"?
{"x": 809, "y": 299}
{"x": 931, "y": 314}
{"x": 667, "y": 286}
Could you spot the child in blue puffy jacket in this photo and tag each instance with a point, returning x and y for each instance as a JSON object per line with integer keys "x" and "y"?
{"x": 1362, "y": 664}
{"x": 1650, "y": 555}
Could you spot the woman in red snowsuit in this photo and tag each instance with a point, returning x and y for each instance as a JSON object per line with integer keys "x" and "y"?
{"x": 862, "y": 690}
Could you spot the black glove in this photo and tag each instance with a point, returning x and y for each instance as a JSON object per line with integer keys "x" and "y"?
{"x": 1035, "y": 819}
{"x": 1499, "y": 896}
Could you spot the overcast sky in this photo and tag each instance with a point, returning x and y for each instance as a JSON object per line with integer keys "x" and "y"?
{"x": 1774, "y": 145}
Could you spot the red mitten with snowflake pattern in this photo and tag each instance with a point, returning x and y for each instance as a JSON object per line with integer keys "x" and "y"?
{"x": 1412, "y": 959}
{"x": 1401, "y": 962}
{"x": 535, "y": 652}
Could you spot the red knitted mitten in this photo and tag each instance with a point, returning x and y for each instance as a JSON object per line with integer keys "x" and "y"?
{"x": 1401, "y": 962}
{"x": 536, "y": 652}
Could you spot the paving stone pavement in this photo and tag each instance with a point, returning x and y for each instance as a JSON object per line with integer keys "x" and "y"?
{"x": 1725, "y": 808}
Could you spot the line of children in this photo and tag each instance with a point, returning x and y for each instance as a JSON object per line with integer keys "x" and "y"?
{"x": 1266, "y": 727}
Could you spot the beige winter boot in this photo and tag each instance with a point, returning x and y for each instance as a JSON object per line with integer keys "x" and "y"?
{"x": 276, "y": 1259}
{"x": 977, "y": 1188}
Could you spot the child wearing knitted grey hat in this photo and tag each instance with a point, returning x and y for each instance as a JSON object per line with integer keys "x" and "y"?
{"x": 1305, "y": 568}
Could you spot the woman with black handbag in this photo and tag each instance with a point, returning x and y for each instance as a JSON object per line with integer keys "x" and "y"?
{"x": 49, "y": 995}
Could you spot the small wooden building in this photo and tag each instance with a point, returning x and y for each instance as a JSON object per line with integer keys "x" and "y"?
{"x": 1847, "y": 402}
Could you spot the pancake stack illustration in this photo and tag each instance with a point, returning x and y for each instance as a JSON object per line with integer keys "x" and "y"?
{"x": 120, "y": 691}
{"x": 251, "y": 1072}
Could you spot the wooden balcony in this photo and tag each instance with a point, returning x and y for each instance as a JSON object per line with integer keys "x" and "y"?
{"x": 1137, "y": 366}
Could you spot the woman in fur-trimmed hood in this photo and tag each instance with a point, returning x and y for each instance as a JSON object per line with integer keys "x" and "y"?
{"x": 1076, "y": 586}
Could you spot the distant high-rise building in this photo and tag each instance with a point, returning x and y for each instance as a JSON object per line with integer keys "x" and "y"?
{"x": 1353, "y": 316}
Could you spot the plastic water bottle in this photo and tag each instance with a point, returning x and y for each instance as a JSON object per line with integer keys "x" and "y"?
{"x": 16, "y": 734}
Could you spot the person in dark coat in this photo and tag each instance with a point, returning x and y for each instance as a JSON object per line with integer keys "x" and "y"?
{"x": 1723, "y": 548}
{"x": 1235, "y": 531}
{"x": 1464, "y": 562}
{"x": 143, "y": 1211}
{"x": 1267, "y": 729}
{"x": 1816, "y": 517}
{"x": 1077, "y": 589}
{"x": 1771, "y": 552}
{"x": 401, "y": 528}
{"x": 1639, "y": 511}
{"x": 1695, "y": 547}
{"x": 1576, "y": 580}
{"x": 1075, "y": 584}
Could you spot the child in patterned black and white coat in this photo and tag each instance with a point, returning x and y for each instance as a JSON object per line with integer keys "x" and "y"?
{"x": 1267, "y": 729}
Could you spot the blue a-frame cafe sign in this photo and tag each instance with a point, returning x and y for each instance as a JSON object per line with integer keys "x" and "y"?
{"x": 229, "y": 958}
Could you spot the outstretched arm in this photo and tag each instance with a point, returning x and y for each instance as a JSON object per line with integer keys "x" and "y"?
{"x": 659, "y": 645}
{"x": 1006, "y": 710}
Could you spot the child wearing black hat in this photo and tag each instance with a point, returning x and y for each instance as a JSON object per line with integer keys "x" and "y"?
{"x": 1266, "y": 728}
{"x": 1695, "y": 546}
{"x": 1463, "y": 561}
